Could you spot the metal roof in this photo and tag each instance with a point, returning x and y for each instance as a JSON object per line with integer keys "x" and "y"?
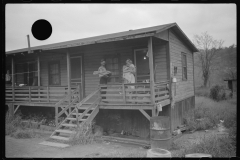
{"x": 108, "y": 37}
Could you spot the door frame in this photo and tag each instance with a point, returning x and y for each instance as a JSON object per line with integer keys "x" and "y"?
{"x": 81, "y": 73}
{"x": 135, "y": 59}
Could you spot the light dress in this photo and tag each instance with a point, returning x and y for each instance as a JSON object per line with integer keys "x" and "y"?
{"x": 129, "y": 76}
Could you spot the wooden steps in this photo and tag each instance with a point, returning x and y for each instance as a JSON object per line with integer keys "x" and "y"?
{"x": 61, "y": 138}
{"x": 54, "y": 144}
{"x": 65, "y": 131}
{"x": 69, "y": 125}
{"x": 87, "y": 112}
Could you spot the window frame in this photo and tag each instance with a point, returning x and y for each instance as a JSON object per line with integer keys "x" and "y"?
{"x": 59, "y": 73}
{"x": 183, "y": 71}
{"x": 112, "y": 56}
{"x": 25, "y": 71}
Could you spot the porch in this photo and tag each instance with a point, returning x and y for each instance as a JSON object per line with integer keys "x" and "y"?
{"x": 113, "y": 96}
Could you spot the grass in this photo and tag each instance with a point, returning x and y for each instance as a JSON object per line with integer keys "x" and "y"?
{"x": 216, "y": 146}
{"x": 206, "y": 115}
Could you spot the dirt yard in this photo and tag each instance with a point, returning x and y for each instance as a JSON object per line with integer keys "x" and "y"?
{"x": 31, "y": 147}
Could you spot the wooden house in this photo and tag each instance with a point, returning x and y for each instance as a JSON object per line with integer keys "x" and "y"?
{"x": 60, "y": 75}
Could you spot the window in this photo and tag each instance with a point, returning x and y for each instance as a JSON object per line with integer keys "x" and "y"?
{"x": 184, "y": 66}
{"x": 54, "y": 73}
{"x": 25, "y": 72}
{"x": 112, "y": 64}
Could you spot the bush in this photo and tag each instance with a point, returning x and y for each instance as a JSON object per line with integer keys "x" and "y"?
{"x": 202, "y": 91}
{"x": 83, "y": 135}
{"x": 216, "y": 146}
{"x": 21, "y": 133}
{"x": 12, "y": 123}
{"x": 208, "y": 113}
{"x": 217, "y": 93}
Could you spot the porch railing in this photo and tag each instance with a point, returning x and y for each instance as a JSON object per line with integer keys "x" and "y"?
{"x": 162, "y": 91}
{"x": 138, "y": 93}
{"x": 36, "y": 93}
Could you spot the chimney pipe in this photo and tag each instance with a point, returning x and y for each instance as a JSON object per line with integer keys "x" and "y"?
{"x": 29, "y": 48}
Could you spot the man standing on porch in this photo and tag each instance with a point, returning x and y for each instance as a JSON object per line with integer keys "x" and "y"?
{"x": 104, "y": 75}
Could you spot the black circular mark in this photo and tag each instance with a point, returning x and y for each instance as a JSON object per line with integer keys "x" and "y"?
{"x": 41, "y": 29}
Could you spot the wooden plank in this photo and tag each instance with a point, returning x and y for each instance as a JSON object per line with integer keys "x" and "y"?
{"x": 13, "y": 78}
{"x": 161, "y": 98}
{"x": 150, "y": 54}
{"x": 65, "y": 131}
{"x": 54, "y": 144}
{"x": 29, "y": 94}
{"x": 145, "y": 114}
{"x": 48, "y": 93}
{"x": 16, "y": 109}
{"x": 68, "y": 73}
{"x": 38, "y": 66}
{"x": 123, "y": 93}
{"x": 60, "y": 138}
{"x": 127, "y": 107}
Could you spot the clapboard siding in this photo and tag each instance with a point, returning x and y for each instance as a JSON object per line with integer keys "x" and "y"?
{"x": 44, "y": 61}
{"x": 180, "y": 109}
{"x": 160, "y": 61}
{"x": 92, "y": 59}
{"x": 183, "y": 88}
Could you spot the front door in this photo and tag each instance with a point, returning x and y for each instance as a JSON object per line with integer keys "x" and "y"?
{"x": 76, "y": 72}
{"x": 142, "y": 65}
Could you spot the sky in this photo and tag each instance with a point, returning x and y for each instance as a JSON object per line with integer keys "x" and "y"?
{"x": 76, "y": 21}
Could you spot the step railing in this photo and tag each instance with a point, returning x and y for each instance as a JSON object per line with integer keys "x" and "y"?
{"x": 75, "y": 107}
{"x": 66, "y": 104}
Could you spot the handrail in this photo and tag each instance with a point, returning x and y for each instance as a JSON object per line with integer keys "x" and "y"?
{"x": 68, "y": 96}
{"x": 76, "y": 106}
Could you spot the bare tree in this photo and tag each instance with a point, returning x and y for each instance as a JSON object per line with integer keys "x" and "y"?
{"x": 208, "y": 48}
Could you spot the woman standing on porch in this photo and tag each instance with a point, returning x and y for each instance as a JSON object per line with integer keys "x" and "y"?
{"x": 128, "y": 72}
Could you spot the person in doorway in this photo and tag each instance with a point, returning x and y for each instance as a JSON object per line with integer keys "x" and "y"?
{"x": 103, "y": 75}
{"x": 8, "y": 78}
{"x": 129, "y": 71}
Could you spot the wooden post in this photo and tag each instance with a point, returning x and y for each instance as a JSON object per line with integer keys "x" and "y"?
{"x": 38, "y": 64}
{"x": 11, "y": 109}
{"x": 169, "y": 66}
{"x": 56, "y": 116}
{"x": 13, "y": 79}
{"x": 47, "y": 93}
{"x": 150, "y": 55}
{"x": 124, "y": 93}
{"x": 69, "y": 74}
{"x": 29, "y": 93}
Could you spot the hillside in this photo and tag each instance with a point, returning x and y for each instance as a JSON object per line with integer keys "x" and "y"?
{"x": 227, "y": 57}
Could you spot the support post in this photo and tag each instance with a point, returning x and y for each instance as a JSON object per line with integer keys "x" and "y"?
{"x": 169, "y": 66}
{"x": 69, "y": 74}
{"x": 47, "y": 93}
{"x": 29, "y": 93}
{"x": 13, "y": 79}
{"x": 124, "y": 93}
{"x": 145, "y": 114}
{"x": 56, "y": 116}
{"x": 11, "y": 109}
{"x": 38, "y": 64}
{"x": 150, "y": 55}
